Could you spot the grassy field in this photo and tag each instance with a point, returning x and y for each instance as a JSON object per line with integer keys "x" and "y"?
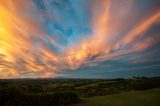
{"x": 136, "y": 91}
{"x": 135, "y": 98}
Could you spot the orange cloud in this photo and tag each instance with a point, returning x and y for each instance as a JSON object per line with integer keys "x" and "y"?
{"x": 24, "y": 49}
{"x": 100, "y": 43}
{"x": 142, "y": 28}
{"x": 18, "y": 30}
{"x": 94, "y": 44}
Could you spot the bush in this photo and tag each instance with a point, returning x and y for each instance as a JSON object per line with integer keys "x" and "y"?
{"x": 14, "y": 98}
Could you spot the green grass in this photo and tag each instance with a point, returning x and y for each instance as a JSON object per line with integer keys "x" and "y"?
{"x": 135, "y": 98}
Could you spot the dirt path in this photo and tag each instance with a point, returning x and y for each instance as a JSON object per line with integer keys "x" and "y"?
{"x": 80, "y": 104}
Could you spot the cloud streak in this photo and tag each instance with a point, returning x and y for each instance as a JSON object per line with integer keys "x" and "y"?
{"x": 36, "y": 40}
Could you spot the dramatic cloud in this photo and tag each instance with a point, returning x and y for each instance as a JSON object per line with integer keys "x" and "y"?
{"x": 46, "y": 38}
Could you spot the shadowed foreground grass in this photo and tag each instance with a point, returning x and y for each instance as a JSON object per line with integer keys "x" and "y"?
{"x": 135, "y": 98}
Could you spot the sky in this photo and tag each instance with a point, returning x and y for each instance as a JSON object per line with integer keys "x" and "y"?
{"x": 79, "y": 38}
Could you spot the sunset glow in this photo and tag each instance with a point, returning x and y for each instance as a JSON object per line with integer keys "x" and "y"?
{"x": 49, "y": 38}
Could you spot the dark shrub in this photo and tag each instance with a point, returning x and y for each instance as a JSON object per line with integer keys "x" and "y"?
{"x": 16, "y": 98}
